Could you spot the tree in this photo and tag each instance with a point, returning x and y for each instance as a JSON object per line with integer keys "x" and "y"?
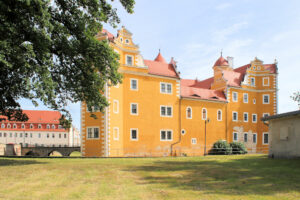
{"x": 48, "y": 51}
{"x": 296, "y": 97}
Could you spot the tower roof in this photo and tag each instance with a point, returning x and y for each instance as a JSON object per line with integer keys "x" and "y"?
{"x": 221, "y": 62}
{"x": 160, "y": 58}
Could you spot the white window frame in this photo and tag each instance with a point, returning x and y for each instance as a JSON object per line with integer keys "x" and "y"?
{"x": 166, "y": 88}
{"x": 137, "y": 108}
{"x": 8, "y": 126}
{"x": 40, "y": 126}
{"x": 187, "y": 116}
{"x": 22, "y": 126}
{"x": 246, "y": 113}
{"x": 237, "y": 97}
{"x": 237, "y": 136}
{"x": 255, "y": 118}
{"x": 116, "y": 106}
{"x": 255, "y": 137}
{"x": 183, "y": 132}
{"x": 48, "y": 126}
{"x": 116, "y": 133}
{"x": 268, "y": 79}
{"x": 237, "y": 116}
{"x": 206, "y": 117}
{"x": 132, "y": 58}
{"x": 193, "y": 140}
{"x": 137, "y": 134}
{"x": 53, "y": 126}
{"x": 93, "y": 132}
{"x": 218, "y": 115}
{"x": 166, "y": 130}
{"x": 2, "y": 125}
{"x": 14, "y": 126}
{"x": 137, "y": 86}
{"x": 166, "y": 107}
{"x": 264, "y": 98}
{"x": 263, "y": 138}
{"x": 31, "y": 126}
{"x": 252, "y": 78}
{"x": 245, "y": 94}
{"x": 245, "y": 133}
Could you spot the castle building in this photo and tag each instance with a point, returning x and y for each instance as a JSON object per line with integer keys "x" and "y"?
{"x": 156, "y": 113}
{"x": 41, "y": 129}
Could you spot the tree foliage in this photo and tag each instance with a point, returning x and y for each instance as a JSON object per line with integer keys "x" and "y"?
{"x": 48, "y": 51}
{"x": 296, "y": 97}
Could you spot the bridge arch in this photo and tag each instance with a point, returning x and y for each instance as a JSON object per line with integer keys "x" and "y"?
{"x": 75, "y": 153}
{"x": 32, "y": 153}
{"x": 55, "y": 153}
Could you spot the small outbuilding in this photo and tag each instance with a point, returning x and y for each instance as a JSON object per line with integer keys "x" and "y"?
{"x": 284, "y": 130}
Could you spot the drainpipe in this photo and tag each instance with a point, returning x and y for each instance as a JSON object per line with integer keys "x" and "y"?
{"x": 179, "y": 131}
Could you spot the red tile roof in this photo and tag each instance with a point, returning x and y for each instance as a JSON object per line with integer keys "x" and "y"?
{"x": 198, "y": 84}
{"x": 221, "y": 62}
{"x": 110, "y": 36}
{"x": 200, "y": 93}
{"x": 160, "y": 58}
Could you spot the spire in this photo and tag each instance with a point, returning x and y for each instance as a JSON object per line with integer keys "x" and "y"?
{"x": 221, "y": 61}
{"x": 160, "y": 58}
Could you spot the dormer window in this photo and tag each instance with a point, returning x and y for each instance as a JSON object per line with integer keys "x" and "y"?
{"x": 48, "y": 126}
{"x": 15, "y": 126}
{"x": 23, "y": 126}
{"x": 39, "y": 126}
{"x": 2, "y": 125}
{"x": 8, "y": 126}
{"x": 53, "y": 126}
{"x": 59, "y": 126}
{"x": 31, "y": 126}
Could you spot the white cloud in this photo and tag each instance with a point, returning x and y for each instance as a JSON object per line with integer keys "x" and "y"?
{"x": 220, "y": 35}
{"x": 223, "y": 6}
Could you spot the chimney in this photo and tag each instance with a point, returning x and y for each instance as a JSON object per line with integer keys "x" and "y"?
{"x": 230, "y": 61}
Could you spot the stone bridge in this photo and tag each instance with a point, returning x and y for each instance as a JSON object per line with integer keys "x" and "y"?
{"x": 46, "y": 151}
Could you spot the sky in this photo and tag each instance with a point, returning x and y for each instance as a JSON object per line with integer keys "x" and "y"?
{"x": 194, "y": 32}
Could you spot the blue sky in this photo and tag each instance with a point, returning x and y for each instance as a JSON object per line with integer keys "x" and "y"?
{"x": 195, "y": 31}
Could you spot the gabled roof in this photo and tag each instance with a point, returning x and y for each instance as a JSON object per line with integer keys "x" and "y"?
{"x": 200, "y": 93}
{"x": 40, "y": 116}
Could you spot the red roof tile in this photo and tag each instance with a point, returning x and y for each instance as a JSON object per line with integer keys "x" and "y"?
{"x": 110, "y": 36}
{"x": 160, "y": 68}
{"x": 198, "y": 84}
{"x": 221, "y": 62}
{"x": 160, "y": 58}
{"x": 200, "y": 93}
{"x": 233, "y": 78}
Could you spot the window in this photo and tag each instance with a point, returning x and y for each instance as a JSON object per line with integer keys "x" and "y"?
{"x": 92, "y": 132}
{"x": 8, "y": 126}
{"x": 245, "y": 98}
{"x": 189, "y": 113}
{"x": 47, "y": 135}
{"x": 254, "y": 138}
{"x": 134, "y": 134}
{"x": 234, "y": 116}
{"x": 116, "y": 106}
{"x": 204, "y": 113}
{"x": 182, "y": 131}
{"x": 0, "y": 134}
{"x": 121, "y": 39}
{"x": 166, "y": 135}
{"x": 23, "y": 126}
{"x": 234, "y": 96}
{"x": 266, "y": 138}
{"x": 245, "y": 137}
{"x": 252, "y": 83}
{"x": 166, "y": 111}
{"x": 254, "y": 101}
{"x": 53, "y": 136}
{"x": 59, "y": 135}
{"x": 15, "y": 126}
{"x": 116, "y": 133}
{"x": 245, "y": 117}
{"x": 2, "y": 125}
{"x": 53, "y": 126}
{"x": 235, "y": 136}
{"x": 39, "y": 126}
{"x": 266, "y": 81}
{"x": 134, "y": 109}
{"x": 219, "y": 115}
{"x": 194, "y": 140}
{"x": 48, "y": 126}
{"x": 266, "y": 99}
{"x": 39, "y": 135}
{"x": 166, "y": 88}
{"x": 59, "y": 126}
{"x": 4, "y": 134}
{"x": 266, "y": 114}
{"x": 133, "y": 84}
{"x": 26, "y": 135}
{"x": 126, "y": 41}
{"x": 254, "y": 118}
{"x": 65, "y": 135}
{"x": 31, "y": 135}
{"x": 129, "y": 60}
{"x": 16, "y": 135}
{"x": 31, "y": 126}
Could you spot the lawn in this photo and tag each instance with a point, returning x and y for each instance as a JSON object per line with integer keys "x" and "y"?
{"x": 211, "y": 177}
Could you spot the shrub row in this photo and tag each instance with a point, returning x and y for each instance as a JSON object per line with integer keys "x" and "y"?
{"x": 221, "y": 147}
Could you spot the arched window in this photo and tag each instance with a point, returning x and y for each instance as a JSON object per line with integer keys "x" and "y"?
{"x": 204, "y": 113}
{"x": 15, "y": 126}
{"x": 23, "y": 126}
{"x": 219, "y": 115}
{"x": 189, "y": 113}
{"x": 31, "y": 126}
{"x": 2, "y": 125}
{"x": 48, "y": 126}
{"x": 39, "y": 126}
{"x": 53, "y": 126}
{"x": 8, "y": 125}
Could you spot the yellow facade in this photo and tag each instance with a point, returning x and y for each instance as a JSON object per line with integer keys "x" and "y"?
{"x": 134, "y": 123}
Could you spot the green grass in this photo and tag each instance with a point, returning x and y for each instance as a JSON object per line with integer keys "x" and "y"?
{"x": 212, "y": 177}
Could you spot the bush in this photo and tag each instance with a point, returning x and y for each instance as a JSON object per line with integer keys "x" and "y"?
{"x": 238, "y": 148}
{"x": 221, "y": 147}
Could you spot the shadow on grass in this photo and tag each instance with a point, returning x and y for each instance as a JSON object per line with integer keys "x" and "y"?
{"x": 224, "y": 175}
{"x": 18, "y": 162}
